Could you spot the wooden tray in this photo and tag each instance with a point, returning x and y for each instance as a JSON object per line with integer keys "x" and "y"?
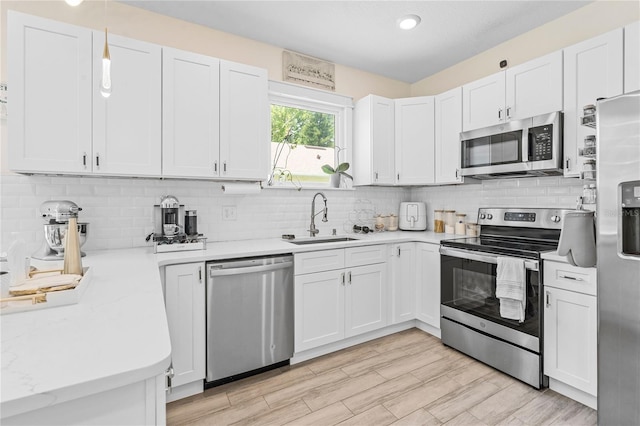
{"x": 36, "y": 301}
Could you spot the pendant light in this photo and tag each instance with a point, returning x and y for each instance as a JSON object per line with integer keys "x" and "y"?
{"x": 105, "y": 81}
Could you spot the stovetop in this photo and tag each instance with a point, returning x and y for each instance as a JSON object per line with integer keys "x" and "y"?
{"x": 513, "y": 247}
{"x": 520, "y": 232}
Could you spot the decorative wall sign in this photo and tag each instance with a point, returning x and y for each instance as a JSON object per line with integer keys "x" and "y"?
{"x": 309, "y": 71}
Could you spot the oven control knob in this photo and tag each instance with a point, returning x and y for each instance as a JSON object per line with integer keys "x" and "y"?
{"x": 482, "y": 216}
{"x": 489, "y": 216}
{"x": 555, "y": 218}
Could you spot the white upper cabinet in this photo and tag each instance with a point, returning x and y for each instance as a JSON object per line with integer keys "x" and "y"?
{"x": 632, "y": 57}
{"x": 592, "y": 69}
{"x": 49, "y": 70}
{"x": 448, "y": 125}
{"x": 190, "y": 114}
{"x": 526, "y": 90}
{"x": 414, "y": 140}
{"x": 483, "y": 102}
{"x": 127, "y": 127}
{"x": 244, "y": 122}
{"x": 374, "y": 146}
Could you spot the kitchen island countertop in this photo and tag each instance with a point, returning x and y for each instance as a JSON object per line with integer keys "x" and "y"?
{"x": 117, "y": 334}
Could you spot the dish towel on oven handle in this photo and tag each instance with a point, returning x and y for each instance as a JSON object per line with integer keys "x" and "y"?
{"x": 511, "y": 288}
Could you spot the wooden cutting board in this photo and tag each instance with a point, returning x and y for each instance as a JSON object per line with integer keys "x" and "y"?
{"x": 46, "y": 284}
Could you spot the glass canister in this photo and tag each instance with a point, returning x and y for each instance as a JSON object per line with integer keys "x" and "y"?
{"x": 379, "y": 226}
{"x": 438, "y": 221}
{"x": 449, "y": 221}
{"x": 460, "y": 227}
{"x": 393, "y": 222}
{"x": 472, "y": 229}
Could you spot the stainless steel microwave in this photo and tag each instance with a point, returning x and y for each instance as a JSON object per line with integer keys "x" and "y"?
{"x": 527, "y": 147}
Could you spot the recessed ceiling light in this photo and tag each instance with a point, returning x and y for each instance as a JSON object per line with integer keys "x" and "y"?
{"x": 409, "y": 22}
{"x": 73, "y": 2}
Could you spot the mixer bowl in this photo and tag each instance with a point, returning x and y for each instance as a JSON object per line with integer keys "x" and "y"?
{"x": 55, "y": 233}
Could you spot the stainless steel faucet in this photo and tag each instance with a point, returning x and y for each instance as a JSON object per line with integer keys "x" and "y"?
{"x": 312, "y": 228}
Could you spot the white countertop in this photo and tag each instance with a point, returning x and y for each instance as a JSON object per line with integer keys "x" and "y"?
{"x": 117, "y": 334}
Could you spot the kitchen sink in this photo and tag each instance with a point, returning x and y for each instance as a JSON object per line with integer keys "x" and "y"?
{"x": 322, "y": 240}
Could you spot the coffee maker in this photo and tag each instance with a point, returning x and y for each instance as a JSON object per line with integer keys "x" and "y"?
{"x": 169, "y": 233}
{"x": 169, "y": 219}
{"x": 57, "y": 213}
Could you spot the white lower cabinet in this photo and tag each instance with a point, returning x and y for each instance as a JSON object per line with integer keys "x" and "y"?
{"x": 570, "y": 330}
{"x": 428, "y": 283}
{"x": 346, "y": 301}
{"x": 403, "y": 282}
{"x": 185, "y": 304}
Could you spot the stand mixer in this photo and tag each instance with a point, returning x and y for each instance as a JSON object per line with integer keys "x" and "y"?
{"x": 57, "y": 214}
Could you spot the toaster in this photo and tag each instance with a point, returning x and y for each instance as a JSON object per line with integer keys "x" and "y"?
{"x": 413, "y": 216}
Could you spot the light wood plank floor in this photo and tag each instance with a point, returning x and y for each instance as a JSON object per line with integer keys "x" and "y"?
{"x": 408, "y": 378}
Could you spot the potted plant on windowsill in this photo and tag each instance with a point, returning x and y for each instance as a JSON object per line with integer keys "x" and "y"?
{"x": 337, "y": 173}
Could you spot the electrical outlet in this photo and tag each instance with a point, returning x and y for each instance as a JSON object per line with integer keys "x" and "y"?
{"x": 229, "y": 213}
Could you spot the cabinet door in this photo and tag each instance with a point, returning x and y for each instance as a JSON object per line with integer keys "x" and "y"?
{"x": 382, "y": 141}
{"x": 49, "y": 66}
{"x": 535, "y": 87}
{"x": 448, "y": 125}
{"x": 414, "y": 140}
{"x": 483, "y": 102}
{"x": 592, "y": 70}
{"x": 185, "y": 302}
{"x": 632, "y": 57}
{"x": 570, "y": 339}
{"x": 319, "y": 309}
{"x": 127, "y": 128}
{"x": 365, "y": 299}
{"x": 190, "y": 114}
{"x": 428, "y": 283}
{"x": 244, "y": 121}
{"x": 403, "y": 279}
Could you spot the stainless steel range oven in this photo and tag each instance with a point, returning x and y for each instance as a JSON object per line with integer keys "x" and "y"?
{"x": 471, "y": 316}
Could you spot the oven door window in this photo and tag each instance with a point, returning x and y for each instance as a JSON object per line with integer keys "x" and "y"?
{"x": 470, "y": 286}
{"x": 504, "y": 148}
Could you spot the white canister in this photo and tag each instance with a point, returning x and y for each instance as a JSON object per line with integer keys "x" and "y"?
{"x": 461, "y": 228}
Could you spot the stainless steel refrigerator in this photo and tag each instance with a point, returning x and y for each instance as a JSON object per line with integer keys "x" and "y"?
{"x": 618, "y": 241}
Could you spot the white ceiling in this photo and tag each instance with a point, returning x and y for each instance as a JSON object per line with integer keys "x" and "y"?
{"x": 364, "y": 34}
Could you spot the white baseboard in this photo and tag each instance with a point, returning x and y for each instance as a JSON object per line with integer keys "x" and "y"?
{"x": 573, "y": 393}
{"x": 185, "y": 390}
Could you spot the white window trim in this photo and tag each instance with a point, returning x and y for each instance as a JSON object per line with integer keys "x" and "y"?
{"x": 305, "y": 97}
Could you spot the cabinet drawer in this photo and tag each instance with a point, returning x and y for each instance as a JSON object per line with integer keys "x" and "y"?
{"x": 367, "y": 255}
{"x": 568, "y": 277}
{"x": 318, "y": 261}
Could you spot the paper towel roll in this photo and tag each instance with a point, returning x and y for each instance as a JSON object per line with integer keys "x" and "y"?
{"x": 239, "y": 188}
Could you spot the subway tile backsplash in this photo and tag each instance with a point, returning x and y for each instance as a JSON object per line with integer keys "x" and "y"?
{"x": 120, "y": 210}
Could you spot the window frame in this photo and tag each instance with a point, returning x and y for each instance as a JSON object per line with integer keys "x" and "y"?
{"x": 294, "y": 96}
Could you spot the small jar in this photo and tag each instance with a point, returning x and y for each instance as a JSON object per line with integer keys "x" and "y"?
{"x": 438, "y": 221}
{"x": 589, "y": 194}
{"x": 472, "y": 229}
{"x": 379, "y": 226}
{"x": 393, "y": 222}
{"x": 589, "y": 109}
{"x": 461, "y": 228}
{"x": 449, "y": 221}
{"x": 590, "y": 141}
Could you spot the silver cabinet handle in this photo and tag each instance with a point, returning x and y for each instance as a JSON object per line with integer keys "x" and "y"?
{"x": 200, "y": 273}
{"x": 547, "y": 299}
{"x": 566, "y": 164}
{"x": 215, "y": 166}
{"x": 508, "y": 112}
{"x": 568, "y": 277}
{"x": 97, "y": 160}
{"x": 499, "y": 114}
{"x": 398, "y": 177}
{"x": 376, "y": 176}
{"x": 169, "y": 375}
{"x": 224, "y": 167}
{"x": 349, "y": 277}
{"x": 342, "y": 278}
{"x": 84, "y": 160}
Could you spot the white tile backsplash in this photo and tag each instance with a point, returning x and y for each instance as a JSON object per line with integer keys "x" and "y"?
{"x": 120, "y": 210}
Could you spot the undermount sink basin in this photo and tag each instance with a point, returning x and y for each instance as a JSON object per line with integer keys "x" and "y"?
{"x": 322, "y": 240}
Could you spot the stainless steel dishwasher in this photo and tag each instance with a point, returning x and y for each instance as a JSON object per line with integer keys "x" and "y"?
{"x": 249, "y": 316}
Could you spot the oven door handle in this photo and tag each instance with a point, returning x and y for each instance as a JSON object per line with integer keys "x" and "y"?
{"x": 483, "y": 257}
